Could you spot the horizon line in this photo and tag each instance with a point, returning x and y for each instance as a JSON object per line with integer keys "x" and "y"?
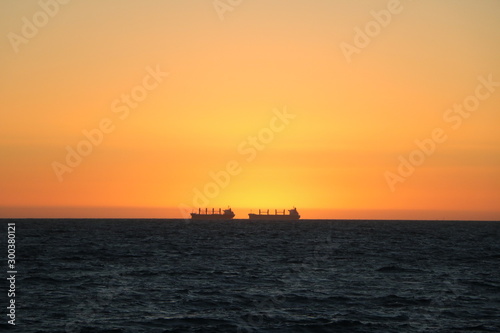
{"x": 247, "y": 219}
{"x": 158, "y": 212}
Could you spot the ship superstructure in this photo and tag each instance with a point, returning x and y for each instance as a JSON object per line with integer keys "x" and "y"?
{"x": 224, "y": 215}
{"x": 277, "y": 216}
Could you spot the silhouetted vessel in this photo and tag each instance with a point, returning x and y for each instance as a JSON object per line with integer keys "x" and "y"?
{"x": 209, "y": 216}
{"x": 277, "y": 216}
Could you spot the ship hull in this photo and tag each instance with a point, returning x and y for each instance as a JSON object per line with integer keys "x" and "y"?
{"x": 265, "y": 217}
{"x": 211, "y": 217}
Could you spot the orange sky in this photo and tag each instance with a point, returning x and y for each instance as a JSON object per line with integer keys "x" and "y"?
{"x": 312, "y": 104}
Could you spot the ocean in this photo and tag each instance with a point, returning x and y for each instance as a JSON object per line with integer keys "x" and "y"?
{"x": 139, "y": 275}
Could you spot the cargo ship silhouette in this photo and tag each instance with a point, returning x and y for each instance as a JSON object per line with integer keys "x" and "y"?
{"x": 277, "y": 216}
{"x": 228, "y": 214}
{"x": 214, "y": 215}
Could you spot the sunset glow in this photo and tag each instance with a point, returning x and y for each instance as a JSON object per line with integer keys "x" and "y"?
{"x": 154, "y": 108}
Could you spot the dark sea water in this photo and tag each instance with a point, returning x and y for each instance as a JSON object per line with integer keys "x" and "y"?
{"x": 242, "y": 276}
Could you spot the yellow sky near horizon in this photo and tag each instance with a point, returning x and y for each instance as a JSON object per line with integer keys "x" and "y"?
{"x": 351, "y": 118}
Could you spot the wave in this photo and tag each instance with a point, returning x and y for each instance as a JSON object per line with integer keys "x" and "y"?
{"x": 398, "y": 269}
